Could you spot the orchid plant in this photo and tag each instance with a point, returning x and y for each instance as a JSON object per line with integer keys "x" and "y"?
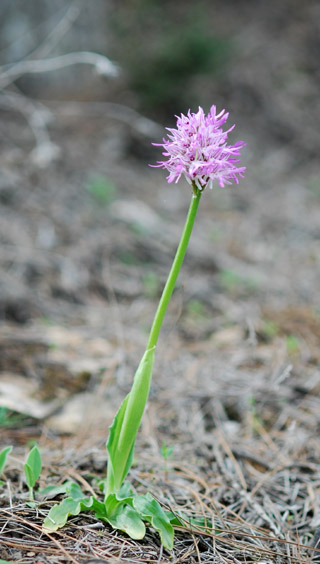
{"x": 197, "y": 149}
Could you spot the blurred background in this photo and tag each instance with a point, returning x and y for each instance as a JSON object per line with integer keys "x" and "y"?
{"x": 261, "y": 61}
{"x": 88, "y": 230}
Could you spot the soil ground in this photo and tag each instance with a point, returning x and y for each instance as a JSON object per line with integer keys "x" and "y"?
{"x": 86, "y": 245}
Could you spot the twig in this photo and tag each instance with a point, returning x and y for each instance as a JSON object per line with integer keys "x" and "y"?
{"x": 119, "y": 112}
{"x": 37, "y": 116}
{"x": 102, "y": 64}
{"x": 58, "y": 31}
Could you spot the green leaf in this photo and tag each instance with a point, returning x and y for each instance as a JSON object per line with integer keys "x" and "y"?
{"x": 72, "y": 505}
{"x": 3, "y": 457}
{"x": 150, "y": 509}
{"x": 74, "y": 491}
{"x": 6, "y": 562}
{"x": 102, "y": 189}
{"x": 121, "y": 515}
{"x": 123, "y": 495}
{"x": 30, "y": 479}
{"x": 125, "y": 426}
{"x": 111, "y": 504}
{"x": 186, "y": 521}
{"x": 166, "y": 451}
{"x": 58, "y": 514}
{"x": 52, "y": 491}
{"x": 176, "y": 519}
{"x": 125, "y": 492}
{"x": 113, "y": 439}
{"x": 99, "y": 508}
{"x": 126, "y": 519}
{"x": 32, "y": 467}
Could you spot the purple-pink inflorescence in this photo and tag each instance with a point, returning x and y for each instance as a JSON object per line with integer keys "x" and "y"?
{"x": 198, "y": 150}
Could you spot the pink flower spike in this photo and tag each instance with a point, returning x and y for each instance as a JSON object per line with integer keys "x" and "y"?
{"x": 198, "y": 150}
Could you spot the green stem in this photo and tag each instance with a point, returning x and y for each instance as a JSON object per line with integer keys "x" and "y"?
{"x": 124, "y": 428}
{"x": 176, "y": 265}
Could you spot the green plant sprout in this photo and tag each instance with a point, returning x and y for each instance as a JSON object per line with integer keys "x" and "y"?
{"x": 232, "y": 281}
{"x": 4, "y": 453}
{"x": 32, "y": 470}
{"x": 270, "y": 329}
{"x": 292, "y": 344}
{"x": 102, "y": 190}
{"x": 9, "y": 418}
{"x": 255, "y": 420}
{"x": 166, "y": 451}
{"x": 198, "y": 150}
{"x": 196, "y": 309}
{"x": 151, "y": 285}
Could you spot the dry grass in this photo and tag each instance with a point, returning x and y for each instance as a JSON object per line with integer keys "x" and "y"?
{"x": 262, "y": 501}
{"x": 236, "y": 389}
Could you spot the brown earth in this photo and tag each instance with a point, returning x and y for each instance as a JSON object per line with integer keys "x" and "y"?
{"x": 86, "y": 243}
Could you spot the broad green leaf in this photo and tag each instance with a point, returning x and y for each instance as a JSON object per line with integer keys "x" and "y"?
{"x": 6, "y": 562}
{"x": 126, "y": 519}
{"x": 149, "y": 508}
{"x": 99, "y": 510}
{"x": 33, "y": 466}
{"x": 125, "y": 492}
{"x": 73, "y": 490}
{"x": 58, "y": 514}
{"x": 52, "y": 491}
{"x": 123, "y": 495}
{"x": 113, "y": 501}
{"x": 121, "y": 515}
{"x": 111, "y": 504}
{"x": 125, "y": 426}
{"x": 3, "y": 458}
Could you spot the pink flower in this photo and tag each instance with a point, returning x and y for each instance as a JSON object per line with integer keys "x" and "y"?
{"x": 198, "y": 150}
